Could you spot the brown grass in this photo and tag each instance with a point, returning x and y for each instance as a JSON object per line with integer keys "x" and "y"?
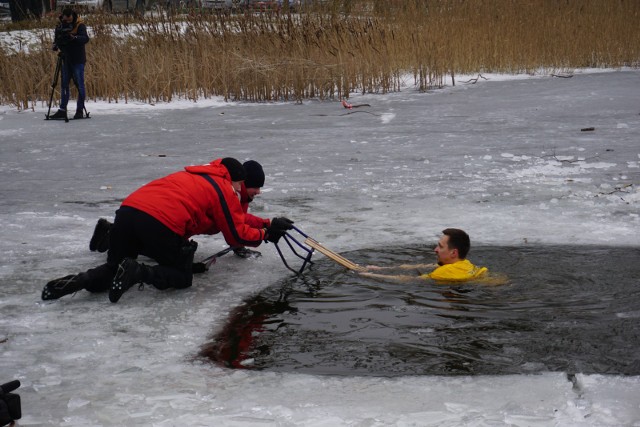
{"x": 363, "y": 46}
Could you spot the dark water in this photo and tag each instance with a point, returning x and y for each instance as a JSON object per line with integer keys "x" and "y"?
{"x": 569, "y": 309}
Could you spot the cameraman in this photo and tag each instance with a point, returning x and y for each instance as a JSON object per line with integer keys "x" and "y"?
{"x": 70, "y": 38}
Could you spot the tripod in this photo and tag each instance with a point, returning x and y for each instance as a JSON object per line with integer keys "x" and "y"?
{"x": 54, "y": 82}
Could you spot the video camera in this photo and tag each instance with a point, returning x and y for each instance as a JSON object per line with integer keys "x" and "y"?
{"x": 63, "y": 34}
{"x": 9, "y": 403}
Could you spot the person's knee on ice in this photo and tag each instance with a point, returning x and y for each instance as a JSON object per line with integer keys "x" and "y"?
{"x": 179, "y": 276}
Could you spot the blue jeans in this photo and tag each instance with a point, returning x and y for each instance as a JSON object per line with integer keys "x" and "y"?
{"x": 77, "y": 72}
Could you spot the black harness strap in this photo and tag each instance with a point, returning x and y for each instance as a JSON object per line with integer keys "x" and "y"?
{"x": 227, "y": 213}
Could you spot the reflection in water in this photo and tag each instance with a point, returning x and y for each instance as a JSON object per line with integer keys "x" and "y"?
{"x": 570, "y": 309}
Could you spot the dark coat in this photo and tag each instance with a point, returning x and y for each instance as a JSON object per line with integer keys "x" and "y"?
{"x": 70, "y": 40}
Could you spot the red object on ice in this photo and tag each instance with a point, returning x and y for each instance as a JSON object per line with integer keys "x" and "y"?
{"x": 345, "y": 104}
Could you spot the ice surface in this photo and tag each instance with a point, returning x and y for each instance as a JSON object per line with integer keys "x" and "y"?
{"x": 504, "y": 159}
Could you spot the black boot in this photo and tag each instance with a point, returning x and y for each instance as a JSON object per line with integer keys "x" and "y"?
{"x": 129, "y": 273}
{"x": 59, "y": 115}
{"x": 80, "y": 109}
{"x": 64, "y": 286}
{"x": 100, "y": 239}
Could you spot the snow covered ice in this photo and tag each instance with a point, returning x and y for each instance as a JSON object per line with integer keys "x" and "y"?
{"x": 504, "y": 159}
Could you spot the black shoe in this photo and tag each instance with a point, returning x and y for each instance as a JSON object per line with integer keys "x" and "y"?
{"x": 100, "y": 239}
{"x": 129, "y": 273}
{"x": 78, "y": 115}
{"x": 63, "y": 286}
{"x": 59, "y": 115}
{"x": 246, "y": 253}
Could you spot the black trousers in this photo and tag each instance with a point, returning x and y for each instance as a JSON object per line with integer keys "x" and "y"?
{"x": 137, "y": 233}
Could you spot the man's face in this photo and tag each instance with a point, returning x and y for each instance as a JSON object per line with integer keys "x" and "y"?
{"x": 67, "y": 19}
{"x": 253, "y": 192}
{"x": 444, "y": 255}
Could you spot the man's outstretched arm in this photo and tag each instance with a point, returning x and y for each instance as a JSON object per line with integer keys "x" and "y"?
{"x": 402, "y": 267}
{"x": 398, "y": 278}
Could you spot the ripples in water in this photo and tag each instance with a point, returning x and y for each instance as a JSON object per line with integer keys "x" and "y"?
{"x": 569, "y": 309}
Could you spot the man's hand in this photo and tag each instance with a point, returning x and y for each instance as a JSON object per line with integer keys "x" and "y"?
{"x": 281, "y": 224}
{"x": 198, "y": 268}
{"x": 274, "y": 236}
{"x": 278, "y": 228}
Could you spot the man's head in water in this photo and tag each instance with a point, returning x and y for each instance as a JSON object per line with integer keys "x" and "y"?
{"x": 453, "y": 246}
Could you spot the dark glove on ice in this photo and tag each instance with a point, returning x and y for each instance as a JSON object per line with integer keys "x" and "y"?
{"x": 198, "y": 267}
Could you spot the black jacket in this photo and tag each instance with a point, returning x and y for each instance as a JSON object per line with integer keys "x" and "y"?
{"x": 70, "y": 40}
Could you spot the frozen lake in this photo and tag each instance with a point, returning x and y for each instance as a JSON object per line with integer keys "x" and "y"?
{"x": 504, "y": 159}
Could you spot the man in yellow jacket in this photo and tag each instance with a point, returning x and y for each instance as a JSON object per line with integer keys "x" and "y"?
{"x": 452, "y": 263}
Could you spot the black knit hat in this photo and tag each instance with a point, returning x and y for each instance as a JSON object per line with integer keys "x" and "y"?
{"x": 235, "y": 168}
{"x": 255, "y": 174}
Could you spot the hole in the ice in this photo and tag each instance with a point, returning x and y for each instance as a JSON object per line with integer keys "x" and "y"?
{"x": 566, "y": 308}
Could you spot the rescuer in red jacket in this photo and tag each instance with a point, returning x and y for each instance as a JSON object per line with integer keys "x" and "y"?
{"x": 157, "y": 221}
{"x": 251, "y": 187}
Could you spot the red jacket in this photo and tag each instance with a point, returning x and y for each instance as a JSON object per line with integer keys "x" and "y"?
{"x": 253, "y": 220}
{"x": 188, "y": 204}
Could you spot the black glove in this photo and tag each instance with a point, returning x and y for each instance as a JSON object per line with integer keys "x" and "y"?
{"x": 198, "y": 268}
{"x": 281, "y": 224}
{"x": 278, "y": 228}
{"x": 274, "y": 236}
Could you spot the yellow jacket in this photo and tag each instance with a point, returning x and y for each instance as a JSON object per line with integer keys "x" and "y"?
{"x": 456, "y": 272}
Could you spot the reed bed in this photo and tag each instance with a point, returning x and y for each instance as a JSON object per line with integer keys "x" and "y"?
{"x": 330, "y": 52}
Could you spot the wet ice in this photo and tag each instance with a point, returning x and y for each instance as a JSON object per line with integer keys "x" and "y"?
{"x": 426, "y": 162}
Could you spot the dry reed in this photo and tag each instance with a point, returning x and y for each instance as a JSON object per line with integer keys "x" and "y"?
{"x": 364, "y": 46}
